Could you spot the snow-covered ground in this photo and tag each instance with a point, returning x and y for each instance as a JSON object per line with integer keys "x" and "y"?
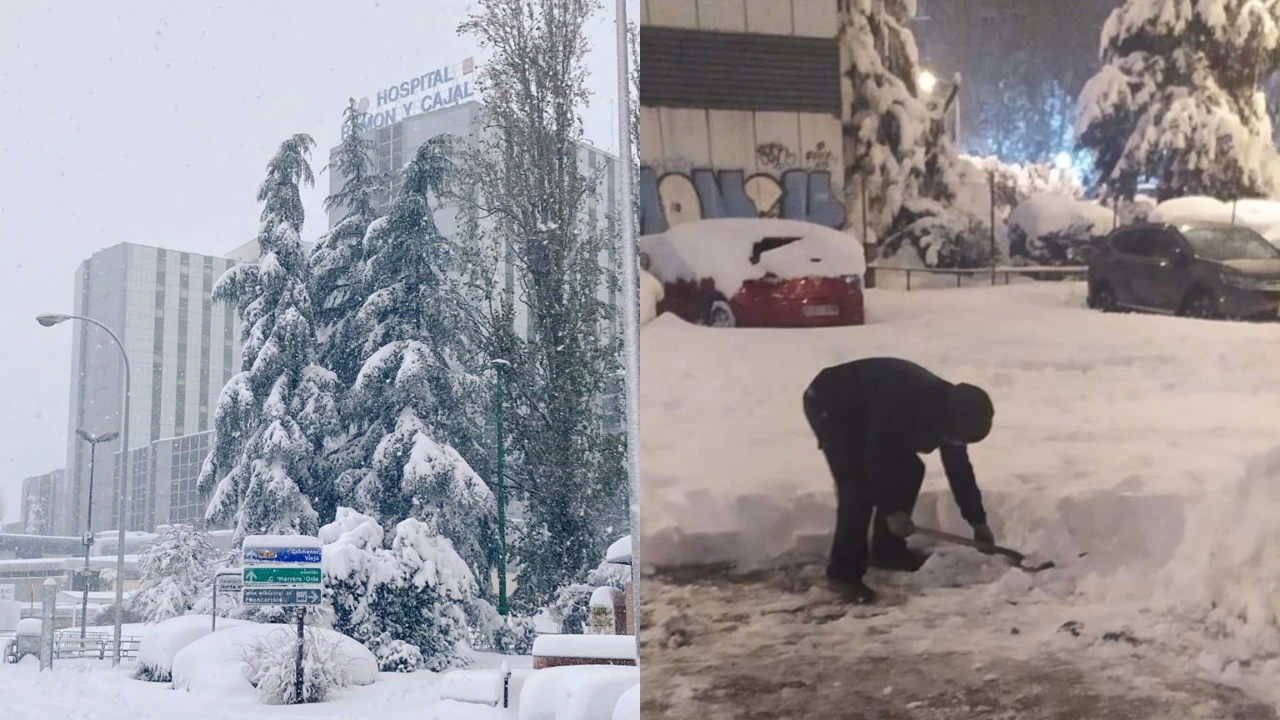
{"x": 1149, "y": 443}
{"x": 92, "y": 690}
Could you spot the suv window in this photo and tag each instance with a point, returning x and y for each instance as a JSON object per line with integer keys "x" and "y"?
{"x": 1163, "y": 244}
{"x": 1132, "y": 242}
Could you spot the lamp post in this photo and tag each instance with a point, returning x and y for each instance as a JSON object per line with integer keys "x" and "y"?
{"x": 630, "y": 305}
{"x": 56, "y": 319}
{"x": 93, "y": 441}
{"x": 499, "y": 366}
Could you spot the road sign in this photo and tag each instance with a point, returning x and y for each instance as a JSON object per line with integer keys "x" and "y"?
{"x": 256, "y": 595}
{"x": 258, "y": 575}
{"x": 297, "y": 555}
{"x": 230, "y": 583}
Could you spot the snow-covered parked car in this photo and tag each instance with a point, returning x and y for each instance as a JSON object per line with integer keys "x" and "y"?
{"x": 757, "y": 272}
{"x": 1054, "y": 229}
{"x": 1260, "y": 215}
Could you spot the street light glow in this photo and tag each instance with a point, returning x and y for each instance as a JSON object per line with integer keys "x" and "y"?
{"x": 1063, "y": 161}
{"x": 927, "y": 82}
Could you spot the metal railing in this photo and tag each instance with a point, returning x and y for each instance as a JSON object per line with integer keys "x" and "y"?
{"x": 1066, "y": 271}
{"x": 69, "y": 645}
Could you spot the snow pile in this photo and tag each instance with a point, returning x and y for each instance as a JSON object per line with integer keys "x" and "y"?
{"x": 581, "y": 692}
{"x": 1050, "y": 213}
{"x": 214, "y": 665}
{"x": 651, "y": 294}
{"x": 472, "y": 686}
{"x": 619, "y": 551}
{"x": 162, "y": 641}
{"x": 721, "y": 249}
{"x": 628, "y": 707}
{"x": 28, "y": 627}
{"x": 1260, "y": 215}
{"x": 594, "y": 647}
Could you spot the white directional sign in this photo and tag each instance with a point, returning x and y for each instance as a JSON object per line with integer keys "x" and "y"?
{"x": 281, "y": 570}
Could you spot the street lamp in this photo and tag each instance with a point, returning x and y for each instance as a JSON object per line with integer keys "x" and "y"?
{"x": 50, "y": 320}
{"x": 927, "y": 82}
{"x": 93, "y": 441}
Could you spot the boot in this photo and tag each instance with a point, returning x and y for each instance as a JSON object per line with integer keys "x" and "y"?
{"x": 899, "y": 558}
{"x": 852, "y": 589}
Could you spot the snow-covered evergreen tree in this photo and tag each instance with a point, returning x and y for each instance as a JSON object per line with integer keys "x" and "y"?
{"x": 338, "y": 279}
{"x": 525, "y": 175}
{"x": 895, "y": 144}
{"x": 413, "y": 398}
{"x": 1179, "y": 99}
{"x": 273, "y": 416}
{"x": 406, "y": 600}
{"x": 177, "y": 570}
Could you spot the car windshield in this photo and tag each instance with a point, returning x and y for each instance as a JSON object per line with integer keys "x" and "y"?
{"x": 1230, "y": 243}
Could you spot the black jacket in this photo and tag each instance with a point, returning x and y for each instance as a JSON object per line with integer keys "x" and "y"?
{"x": 882, "y": 409}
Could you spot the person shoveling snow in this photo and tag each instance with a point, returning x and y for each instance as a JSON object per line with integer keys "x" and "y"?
{"x": 872, "y": 419}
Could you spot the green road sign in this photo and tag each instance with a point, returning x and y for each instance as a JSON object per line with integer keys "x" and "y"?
{"x": 281, "y": 596}
{"x": 282, "y": 576}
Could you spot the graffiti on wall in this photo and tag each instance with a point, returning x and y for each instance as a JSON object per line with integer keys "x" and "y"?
{"x": 704, "y": 193}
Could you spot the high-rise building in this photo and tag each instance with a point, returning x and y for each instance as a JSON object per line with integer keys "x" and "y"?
{"x": 182, "y": 347}
{"x": 43, "y": 502}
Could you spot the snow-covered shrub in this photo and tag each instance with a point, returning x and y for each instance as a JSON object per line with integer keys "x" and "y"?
{"x": 270, "y": 665}
{"x": 1052, "y": 229}
{"x": 413, "y": 591}
{"x": 570, "y": 605}
{"x": 509, "y": 634}
{"x": 162, "y": 641}
{"x": 107, "y": 615}
{"x": 398, "y": 656}
{"x": 176, "y": 570}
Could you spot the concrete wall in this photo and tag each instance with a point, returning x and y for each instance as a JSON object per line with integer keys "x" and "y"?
{"x": 698, "y": 163}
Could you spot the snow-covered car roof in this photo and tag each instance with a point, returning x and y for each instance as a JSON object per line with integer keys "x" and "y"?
{"x": 722, "y": 250}
{"x": 1260, "y": 215}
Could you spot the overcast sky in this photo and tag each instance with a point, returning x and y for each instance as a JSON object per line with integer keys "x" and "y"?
{"x": 152, "y": 122}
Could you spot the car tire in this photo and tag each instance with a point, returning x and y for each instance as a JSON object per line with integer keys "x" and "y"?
{"x": 720, "y": 315}
{"x": 1104, "y": 298}
{"x": 1201, "y": 305}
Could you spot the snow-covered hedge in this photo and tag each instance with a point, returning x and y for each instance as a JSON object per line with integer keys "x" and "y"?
{"x": 162, "y": 641}
{"x": 1053, "y": 229}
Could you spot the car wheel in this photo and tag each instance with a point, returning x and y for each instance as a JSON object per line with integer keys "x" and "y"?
{"x": 720, "y": 315}
{"x": 1104, "y": 298}
{"x": 1200, "y": 305}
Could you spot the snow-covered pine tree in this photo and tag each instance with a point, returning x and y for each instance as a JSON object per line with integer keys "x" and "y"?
{"x": 176, "y": 572}
{"x": 896, "y": 145}
{"x": 273, "y": 416}
{"x": 413, "y": 399}
{"x": 566, "y": 466}
{"x": 1179, "y": 99}
{"x": 337, "y": 277}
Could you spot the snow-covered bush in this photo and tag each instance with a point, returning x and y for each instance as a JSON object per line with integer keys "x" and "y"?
{"x": 107, "y": 615}
{"x": 177, "y": 570}
{"x": 509, "y": 634}
{"x": 162, "y": 641}
{"x": 270, "y": 665}
{"x": 1052, "y": 229}
{"x": 413, "y": 591}
{"x": 570, "y": 605}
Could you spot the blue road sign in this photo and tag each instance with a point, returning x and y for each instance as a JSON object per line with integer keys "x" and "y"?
{"x": 305, "y": 556}
{"x": 280, "y": 596}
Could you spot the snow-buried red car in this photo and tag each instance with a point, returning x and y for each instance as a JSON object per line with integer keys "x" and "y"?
{"x": 757, "y": 273}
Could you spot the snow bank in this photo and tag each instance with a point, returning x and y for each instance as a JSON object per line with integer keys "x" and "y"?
{"x": 628, "y": 707}
{"x": 582, "y": 692}
{"x": 1126, "y": 437}
{"x": 28, "y": 627}
{"x": 620, "y": 551}
{"x": 721, "y": 249}
{"x": 162, "y": 641}
{"x": 603, "y": 647}
{"x": 1049, "y": 213}
{"x": 213, "y": 665}
{"x": 651, "y": 294}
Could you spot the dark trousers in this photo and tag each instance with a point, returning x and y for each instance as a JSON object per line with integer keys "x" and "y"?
{"x": 858, "y": 516}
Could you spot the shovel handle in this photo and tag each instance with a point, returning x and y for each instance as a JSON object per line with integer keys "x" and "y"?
{"x": 1013, "y": 555}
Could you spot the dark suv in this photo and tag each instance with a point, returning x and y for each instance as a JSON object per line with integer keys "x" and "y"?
{"x": 1205, "y": 270}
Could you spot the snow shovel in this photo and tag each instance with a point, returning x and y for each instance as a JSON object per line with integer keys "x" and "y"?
{"x": 1019, "y": 560}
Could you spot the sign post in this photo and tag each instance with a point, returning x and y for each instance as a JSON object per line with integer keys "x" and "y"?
{"x": 47, "y": 613}
{"x": 284, "y": 571}
{"x": 227, "y": 580}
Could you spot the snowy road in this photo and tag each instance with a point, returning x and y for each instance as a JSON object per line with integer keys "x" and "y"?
{"x": 1152, "y": 444}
